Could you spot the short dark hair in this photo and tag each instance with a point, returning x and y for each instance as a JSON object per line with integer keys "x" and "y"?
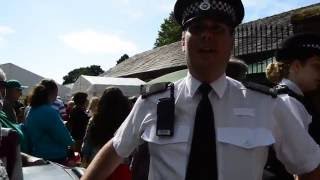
{"x": 50, "y": 84}
{"x": 80, "y": 98}
{"x": 237, "y": 69}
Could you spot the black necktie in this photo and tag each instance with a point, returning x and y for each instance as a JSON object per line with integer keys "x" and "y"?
{"x": 202, "y": 163}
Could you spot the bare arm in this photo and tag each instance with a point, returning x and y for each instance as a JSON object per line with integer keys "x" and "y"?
{"x": 28, "y": 160}
{"x": 313, "y": 175}
{"x": 103, "y": 164}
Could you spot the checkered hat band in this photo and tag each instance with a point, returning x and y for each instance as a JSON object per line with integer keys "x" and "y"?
{"x": 214, "y": 6}
{"x": 315, "y": 46}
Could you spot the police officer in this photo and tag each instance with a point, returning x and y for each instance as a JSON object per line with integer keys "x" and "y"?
{"x": 241, "y": 123}
{"x": 297, "y": 72}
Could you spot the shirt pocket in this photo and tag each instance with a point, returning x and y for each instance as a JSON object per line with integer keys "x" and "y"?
{"x": 247, "y": 138}
{"x": 243, "y": 152}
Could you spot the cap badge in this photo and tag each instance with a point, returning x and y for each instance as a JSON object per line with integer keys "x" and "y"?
{"x": 315, "y": 46}
{"x": 205, "y": 5}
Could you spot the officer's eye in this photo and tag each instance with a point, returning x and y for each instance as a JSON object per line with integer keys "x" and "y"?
{"x": 218, "y": 28}
{"x": 197, "y": 28}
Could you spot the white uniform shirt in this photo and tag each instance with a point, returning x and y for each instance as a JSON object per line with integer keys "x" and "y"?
{"x": 246, "y": 122}
{"x": 295, "y": 105}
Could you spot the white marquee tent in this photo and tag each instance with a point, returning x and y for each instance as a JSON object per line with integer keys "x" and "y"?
{"x": 30, "y": 79}
{"x": 95, "y": 85}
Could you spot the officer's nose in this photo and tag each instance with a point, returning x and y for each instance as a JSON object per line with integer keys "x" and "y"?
{"x": 207, "y": 33}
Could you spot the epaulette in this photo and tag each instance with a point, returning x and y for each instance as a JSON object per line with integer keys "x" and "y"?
{"x": 147, "y": 90}
{"x": 281, "y": 89}
{"x": 260, "y": 88}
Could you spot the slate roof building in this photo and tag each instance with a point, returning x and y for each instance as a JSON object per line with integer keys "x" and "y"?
{"x": 151, "y": 64}
{"x": 255, "y": 43}
{"x": 30, "y": 79}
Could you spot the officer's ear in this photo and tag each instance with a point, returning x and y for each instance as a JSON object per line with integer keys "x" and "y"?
{"x": 183, "y": 43}
{"x": 295, "y": 66}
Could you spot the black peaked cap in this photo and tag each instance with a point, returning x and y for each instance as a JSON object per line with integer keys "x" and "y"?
{"x": 229, "y": 11}
{"x": 302, "y": 42}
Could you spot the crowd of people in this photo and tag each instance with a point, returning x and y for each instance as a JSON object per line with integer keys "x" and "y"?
{"x": 211, "y": 125}
{"x": 52, "y": 130}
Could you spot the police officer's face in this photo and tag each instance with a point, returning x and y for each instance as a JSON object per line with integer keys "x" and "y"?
{"x": 207, "y": 44}
{"x": 308, "y": 74}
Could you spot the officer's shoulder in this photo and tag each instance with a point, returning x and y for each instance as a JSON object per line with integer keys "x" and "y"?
{"x": 260, "y": 88}
{"x": 281, "y": 89}
{"x": 148, "y": 90}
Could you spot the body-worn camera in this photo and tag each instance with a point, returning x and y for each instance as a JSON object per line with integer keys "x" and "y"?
{"x": 165, "y": 114}
{"x": 165, "y": 117}
{"x": 165, "y": 107}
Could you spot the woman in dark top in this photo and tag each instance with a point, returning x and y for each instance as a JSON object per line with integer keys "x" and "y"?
{"x": 112, "y": 110}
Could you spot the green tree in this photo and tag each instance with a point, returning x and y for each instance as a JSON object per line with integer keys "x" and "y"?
{"x": 170, "y": 32}
{"x": 93, "y": 70}
{"x": 122, "y": 58}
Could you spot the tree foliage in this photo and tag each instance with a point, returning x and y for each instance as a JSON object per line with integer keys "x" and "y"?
{"x": 122, "y": 58}
{"x": 93, "y": 70}
{"x": 170, "y": 32}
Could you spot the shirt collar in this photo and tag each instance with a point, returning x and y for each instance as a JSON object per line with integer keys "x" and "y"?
{"x": 292, "y": 86}
{"x": 219, "y": 86}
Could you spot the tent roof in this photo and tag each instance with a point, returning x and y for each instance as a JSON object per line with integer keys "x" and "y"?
{"x": 98, "y": 80}
{"x": 69, "y": 85}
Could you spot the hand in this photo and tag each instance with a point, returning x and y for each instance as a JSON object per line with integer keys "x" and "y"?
{"x": 36, "y": 162}
{"x": 29, "y": 160}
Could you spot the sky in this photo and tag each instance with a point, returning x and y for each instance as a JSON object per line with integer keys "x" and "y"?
{"x": 54, "y": 37}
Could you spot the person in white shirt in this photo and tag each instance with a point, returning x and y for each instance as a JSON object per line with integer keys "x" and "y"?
{"x": 296, "y": 73}
{"x": 241, "y": 123}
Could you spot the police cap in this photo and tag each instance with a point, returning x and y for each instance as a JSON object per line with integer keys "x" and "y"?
{"x": 299, "y": 46}
{"x": 230, "y": 12}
